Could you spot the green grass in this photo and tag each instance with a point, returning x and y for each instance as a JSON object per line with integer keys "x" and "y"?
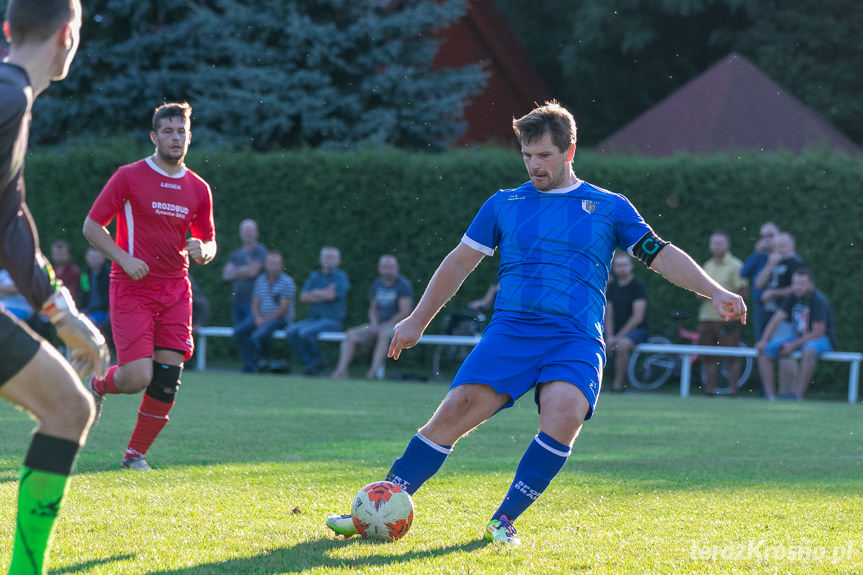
{"x": 251, "y": 465}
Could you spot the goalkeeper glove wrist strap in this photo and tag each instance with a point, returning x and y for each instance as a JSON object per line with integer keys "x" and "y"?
{"x": 59, "y": 305}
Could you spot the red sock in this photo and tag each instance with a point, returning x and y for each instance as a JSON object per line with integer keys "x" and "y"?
{"x": 106, "y": 385}
{"x": 152, "y": 418}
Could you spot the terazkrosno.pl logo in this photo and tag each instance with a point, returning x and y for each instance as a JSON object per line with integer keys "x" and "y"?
{"x": 761, "y": 550}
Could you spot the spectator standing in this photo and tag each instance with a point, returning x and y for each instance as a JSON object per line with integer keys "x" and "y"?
{"x": 69, "y": 273}
{"x": 724, "y": 268}
{"x": 804, "y": 321}
{"x": 625, "y": 315}
{"x": 750, "y": 270}
{"x": 273, "y": 308}
{"x": 391, "y": 297}
{"x": 775, "y": 278}
{"x": 244, "y": 265}
{"x": 325, "y": 291}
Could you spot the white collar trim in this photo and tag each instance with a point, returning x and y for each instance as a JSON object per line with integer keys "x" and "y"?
{"x": 158, "y": 170}
{"x": 564, "y": 190}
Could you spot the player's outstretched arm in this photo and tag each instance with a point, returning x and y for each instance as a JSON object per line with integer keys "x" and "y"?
{"x": 451, "y": 273}
{"x": 676, "y": 266}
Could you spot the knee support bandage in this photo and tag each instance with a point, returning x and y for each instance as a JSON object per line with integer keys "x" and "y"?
{"x": 165, "y": 382}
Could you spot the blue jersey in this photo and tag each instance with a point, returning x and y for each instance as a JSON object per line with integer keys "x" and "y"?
{"x": 556, "y": 249}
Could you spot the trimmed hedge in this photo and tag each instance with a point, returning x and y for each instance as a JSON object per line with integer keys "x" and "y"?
{"x": 417, "y": 206}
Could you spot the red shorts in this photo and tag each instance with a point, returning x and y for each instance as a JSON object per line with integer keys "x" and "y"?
{"x": 151, "y": 314}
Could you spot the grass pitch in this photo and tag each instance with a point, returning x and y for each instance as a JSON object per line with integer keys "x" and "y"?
{"x": 250, "y": 466}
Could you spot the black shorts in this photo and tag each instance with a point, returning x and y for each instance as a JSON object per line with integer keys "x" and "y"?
{"x": 18, "y": 345}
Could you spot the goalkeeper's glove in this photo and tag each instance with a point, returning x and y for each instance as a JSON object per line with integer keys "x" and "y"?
{"x": 87, "y": 348}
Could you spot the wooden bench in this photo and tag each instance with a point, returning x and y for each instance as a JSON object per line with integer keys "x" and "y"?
{"x": 214, "y": 331}
{"x": 687, "y": 351}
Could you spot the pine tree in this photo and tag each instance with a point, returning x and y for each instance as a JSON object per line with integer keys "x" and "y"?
{"x": 265, "y": 73}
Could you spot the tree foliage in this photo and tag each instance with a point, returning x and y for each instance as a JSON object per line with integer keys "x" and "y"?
{"x": 611, "y": 61}
{"x": 265, "y": 73}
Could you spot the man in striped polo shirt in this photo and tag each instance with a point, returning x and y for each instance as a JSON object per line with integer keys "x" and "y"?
{"x": 273, "y": 305}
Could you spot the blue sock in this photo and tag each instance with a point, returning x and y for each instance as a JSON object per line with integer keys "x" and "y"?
{"x": 422, "y": 459}
{"x": 541, "y": 461}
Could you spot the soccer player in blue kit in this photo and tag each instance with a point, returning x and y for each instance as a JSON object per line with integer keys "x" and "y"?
{"x": 557, "y": 235}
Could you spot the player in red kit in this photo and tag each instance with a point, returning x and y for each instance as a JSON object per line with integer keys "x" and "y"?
{"x": 157, "y": 201}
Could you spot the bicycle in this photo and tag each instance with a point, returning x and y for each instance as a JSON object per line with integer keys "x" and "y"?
{"x": 448, "y": 358}
{"x": 648, "y": 371}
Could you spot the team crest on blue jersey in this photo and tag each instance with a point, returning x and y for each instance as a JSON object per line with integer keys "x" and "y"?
{"x": 588, "y": 206}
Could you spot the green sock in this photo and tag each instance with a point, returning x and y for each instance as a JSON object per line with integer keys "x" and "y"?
{"x": 44, "y": 480}
{"x": 39, "y": 497}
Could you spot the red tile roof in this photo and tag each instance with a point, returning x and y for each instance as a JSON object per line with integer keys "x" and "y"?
{"x": 732, "y": 106}
{"x": 514, "y": 82}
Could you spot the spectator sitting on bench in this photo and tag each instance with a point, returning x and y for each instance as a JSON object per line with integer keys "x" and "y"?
{"x": 487, "y": 301}
{"x": 11, "y": 300}
{"x": 272, "y": 309}
{"x": 391, "y": 299}
{"x": 804, "y": 321}
{"x": 625, "y": 315}
{"x": 326, "y": 291}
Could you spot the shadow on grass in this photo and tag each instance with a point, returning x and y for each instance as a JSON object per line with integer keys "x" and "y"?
{"x": 87, "y": 565}
{"x": 314, "y": 555}
{"x": 664, "y": 440}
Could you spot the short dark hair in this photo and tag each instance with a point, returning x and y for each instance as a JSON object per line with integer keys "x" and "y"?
{"x": 171, "y": 110}
{"x": 37, "y": 20}
{"x": 550, "y": 118}
{"x": 804, "y": 271}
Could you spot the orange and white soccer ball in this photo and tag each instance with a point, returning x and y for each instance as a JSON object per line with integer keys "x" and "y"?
{"x": 382, "y": 510}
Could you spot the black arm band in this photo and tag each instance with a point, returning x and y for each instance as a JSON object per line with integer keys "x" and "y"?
{"x": 648, "y": 247}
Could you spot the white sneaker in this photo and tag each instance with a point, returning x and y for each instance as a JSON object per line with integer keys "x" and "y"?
{"x": 136, "y": 463}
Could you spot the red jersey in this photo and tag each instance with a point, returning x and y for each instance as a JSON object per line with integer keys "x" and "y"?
{"x": 154, "y": 212}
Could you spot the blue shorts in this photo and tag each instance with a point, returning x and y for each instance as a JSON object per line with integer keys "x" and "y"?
{"x": 637, "y": 335}
{"x": 517, "y": 353}
{"x": 784, "y": 334}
